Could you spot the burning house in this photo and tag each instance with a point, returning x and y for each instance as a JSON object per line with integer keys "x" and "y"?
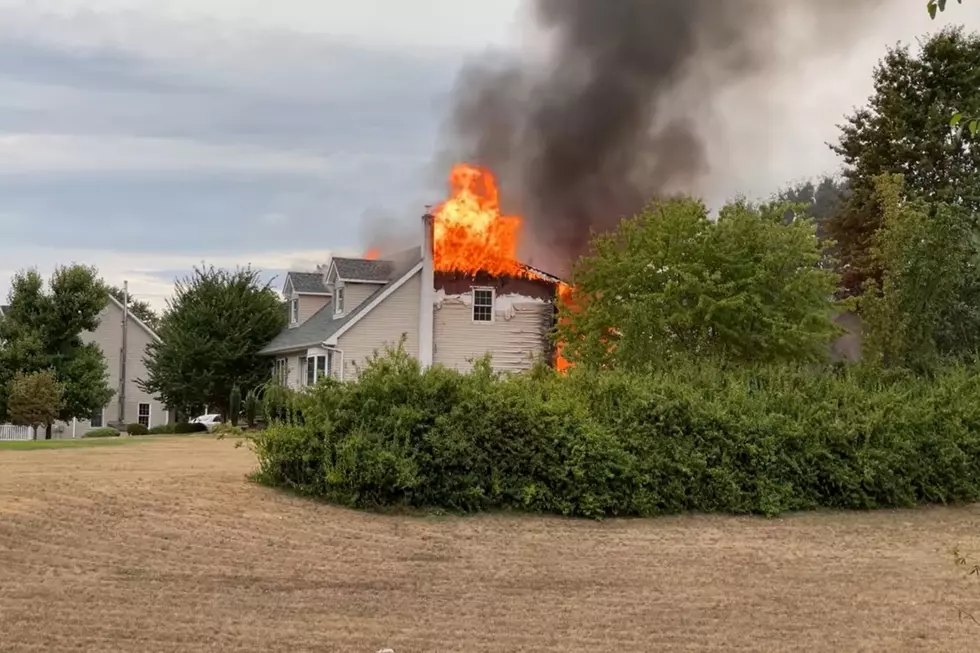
{"x": 459, "y": 296}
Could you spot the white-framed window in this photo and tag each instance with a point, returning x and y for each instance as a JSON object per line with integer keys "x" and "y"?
{"x": 483, "y": 304}
{"x": 281, "y": 371}
{"x": 98, "y": 419}
{"x": 338, "y": 299}
{"x": 143, "y": 414}
{"x": 318, "y": 367}
{"x": 294, "y": 311}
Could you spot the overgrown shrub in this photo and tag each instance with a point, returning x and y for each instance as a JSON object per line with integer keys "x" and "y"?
{"x": 227, "y": 430}
{"x": 136, "y": 429}
{"x": 106, "y": 432}
{"x": 183, "y": 428}
{"x": 162, "y": 429}
{"x": 691, "y": 438}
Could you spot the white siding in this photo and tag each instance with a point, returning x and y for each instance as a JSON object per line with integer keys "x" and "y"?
{"x": 355, "y": 294}
{"x": 108, "y": 336}
{"x": 398, "y": 314}
{"x": 515, "y": 339}
{"x": 308, "y": 305}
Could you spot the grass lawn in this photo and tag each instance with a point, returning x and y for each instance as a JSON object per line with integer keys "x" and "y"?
{"x": 169, "y": 548}
{"x": 29, "y": 445}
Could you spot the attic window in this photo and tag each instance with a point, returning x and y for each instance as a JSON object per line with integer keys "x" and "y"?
{"x": 338, "y": 299}
{"x": 483, "y": 304}
{"x": 294, "y": 311}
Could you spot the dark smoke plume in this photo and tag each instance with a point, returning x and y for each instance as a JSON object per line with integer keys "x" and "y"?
{"x": 620, "y": 109}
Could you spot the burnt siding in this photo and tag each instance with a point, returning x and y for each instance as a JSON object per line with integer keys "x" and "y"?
{"x": 518, "y": 336}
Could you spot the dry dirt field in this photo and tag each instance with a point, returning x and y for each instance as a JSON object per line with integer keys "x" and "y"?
{"x": 165, "y": 546}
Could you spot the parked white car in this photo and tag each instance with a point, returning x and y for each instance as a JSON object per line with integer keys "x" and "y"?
{"x": 209, "y": 421}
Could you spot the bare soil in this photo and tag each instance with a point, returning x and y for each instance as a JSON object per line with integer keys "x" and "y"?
{"x": 166, "y": 546}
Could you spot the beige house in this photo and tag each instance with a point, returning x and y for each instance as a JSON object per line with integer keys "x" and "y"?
{"x": 348, "y": 309}
{"x": 140, "y": 407}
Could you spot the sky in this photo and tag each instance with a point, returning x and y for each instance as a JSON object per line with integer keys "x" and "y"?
{"x": 148, "y": 136}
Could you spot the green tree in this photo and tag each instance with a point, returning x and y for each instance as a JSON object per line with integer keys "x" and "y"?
{"x": 140, "y": 309}
{"x": 821, "y": 200}
{"x": 42, "y": 329}
{"x": 211, "y": 333}
{"x": 904, "y": 129}
{"x": 34, "y": 399}
{"x": 671, "y": 283}
{"x": 926, "y": 306}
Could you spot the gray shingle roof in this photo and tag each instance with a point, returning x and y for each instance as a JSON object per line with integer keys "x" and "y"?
{"x": 307, "y": 282}
{"x": 363, "y": 269}
{"x": 321, "y": 325}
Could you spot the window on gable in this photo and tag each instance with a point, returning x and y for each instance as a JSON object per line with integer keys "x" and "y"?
{"x": 338, "y": 299}
{"x": 143, "y": 415}
{"x": 483, "y": 304}
{"x": 294, "y": 311}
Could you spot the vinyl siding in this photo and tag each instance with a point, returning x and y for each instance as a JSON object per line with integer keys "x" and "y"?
{"x": 310, "y": 304}
{"x": 515, "y": 339}
{"x": 108, "y": 336}
{"x": 355, "y": 293}
{"x": 398, "y": 314}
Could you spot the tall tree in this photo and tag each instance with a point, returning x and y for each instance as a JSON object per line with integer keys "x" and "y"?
{"x": 927, "y": 304}
{"x": 671, "y": 283}
{"x": 43, "y": 330}
{"x": 140, "y": 309}
{"x": 211, "y": 333}
{"x": 821, "y": 200}
{"x": 905, "y": 129}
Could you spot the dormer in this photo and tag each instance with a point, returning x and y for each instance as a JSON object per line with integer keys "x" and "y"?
{"x": 305, "y": 294}
{"x": 353, "y": 280}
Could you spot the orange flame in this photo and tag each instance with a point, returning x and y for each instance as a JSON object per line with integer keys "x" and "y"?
{"x": 470, "y": 234}
{"x": 372, "y": 254}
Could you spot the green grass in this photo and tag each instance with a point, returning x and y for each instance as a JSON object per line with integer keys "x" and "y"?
{"x": 29, "y": 445}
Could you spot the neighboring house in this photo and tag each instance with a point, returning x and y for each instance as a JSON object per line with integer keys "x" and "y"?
{"x": 140, "y": 406}
{"x": 348, "y": 309}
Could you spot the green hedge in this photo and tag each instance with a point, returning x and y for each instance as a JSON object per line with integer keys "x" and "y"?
{"x": 184, "y": 428}
{"x": 691, "y": 439}
{"x": 105, "y": 432}
{"x": 162, "y": 429}
{"x": 136, "y": 429}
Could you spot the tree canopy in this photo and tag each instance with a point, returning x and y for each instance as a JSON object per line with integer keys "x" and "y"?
{"x": 42, "y": 330}
{"x": 211, "y": 333}
{"x": 671, "y": 283}
{"x": 34, "y": 399}
{"x": 905, "y": 129}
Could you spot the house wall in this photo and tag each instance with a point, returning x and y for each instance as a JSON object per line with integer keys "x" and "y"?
{"x": 398, "y": 314}
{"x": 108, "y": 336}
{"x": 518, "y": 336}
{"x": 310, "y": 304}
{"x": 355, "y": 294}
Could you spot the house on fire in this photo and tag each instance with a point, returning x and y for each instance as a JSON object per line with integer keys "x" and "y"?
{"x": 346, "y": 310}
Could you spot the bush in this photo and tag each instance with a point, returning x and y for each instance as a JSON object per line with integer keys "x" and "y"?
{"x": 227, "y": 430}
{"x": 162, "y": 429}
{"x": 692, "y": 438}
{"x": 106, "y": 432}
{"x": 137, "y": 429}
{"x": 184, "y": 428}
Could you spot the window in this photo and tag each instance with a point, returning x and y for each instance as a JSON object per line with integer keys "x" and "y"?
{"x": 302, "y": 369}
{"x": 483, "y": 304}
{"x": 294, "y": 311}
{"x": 338, "y": 299}
{"x": 98, "y": 419}
{"x": 280, "y": 372}
{"x": 318, "y": 367}
{"x": 143, "y": 414}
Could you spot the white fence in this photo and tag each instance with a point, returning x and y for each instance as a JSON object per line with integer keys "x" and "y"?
{"x": 11, "y": 432}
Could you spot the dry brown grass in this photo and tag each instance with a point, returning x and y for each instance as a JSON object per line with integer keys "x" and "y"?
{"x": 165, "y": 546}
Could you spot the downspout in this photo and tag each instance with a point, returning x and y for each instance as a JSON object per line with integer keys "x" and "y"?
{"x": 426, "y": 308}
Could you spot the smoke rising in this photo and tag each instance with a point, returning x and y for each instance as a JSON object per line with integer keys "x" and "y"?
{"x": 622, "y": 107}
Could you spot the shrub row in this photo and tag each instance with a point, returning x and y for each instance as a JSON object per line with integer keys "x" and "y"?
{"x": 105, "y": 432}
{"x": 689, "y": 439}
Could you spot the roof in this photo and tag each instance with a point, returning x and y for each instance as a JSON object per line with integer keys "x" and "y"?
{"x": 322, "y": 324}
{"x": 307, "y": 282}
{"x": 362, "y": 269}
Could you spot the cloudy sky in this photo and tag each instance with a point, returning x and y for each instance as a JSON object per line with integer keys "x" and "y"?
{"x": 146, "y": 136}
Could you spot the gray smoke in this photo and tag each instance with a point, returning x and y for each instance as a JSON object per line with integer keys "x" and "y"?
{"x": 621, "y": 108}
